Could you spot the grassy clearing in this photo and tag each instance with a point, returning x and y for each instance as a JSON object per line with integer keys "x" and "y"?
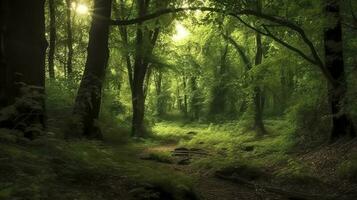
{"x": 234, "y": 147}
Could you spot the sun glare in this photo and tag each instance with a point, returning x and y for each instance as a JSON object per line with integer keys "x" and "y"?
{"x": 81, "y": 9}
{"x": 181, "y": 33}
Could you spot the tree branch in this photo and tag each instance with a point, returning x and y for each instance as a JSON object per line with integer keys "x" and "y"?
{"x": 282, "y": 42}
{"x": 239, "y": 49}
{"x": 316, "y": 58}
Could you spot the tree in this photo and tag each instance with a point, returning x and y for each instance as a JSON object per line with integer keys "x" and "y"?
{"x": 88, "y": 100}
{"x": 69, "y": 41}
{"x": 160, "y": 104}
{"x": 144, "y": 46}
{"x": 258, "y": 96}
{"x": 23, "y": 48}
{"x": 342, "y": 124}
{"x": 340, "y": 119}
{"x": 53, "y": 38}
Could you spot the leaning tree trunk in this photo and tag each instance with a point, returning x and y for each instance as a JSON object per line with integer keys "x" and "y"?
{"x": 53, "y": 38}
{"x": 22, "y": 69}
{"x": 342, "y": 124}
{"x": 87, "y": 105}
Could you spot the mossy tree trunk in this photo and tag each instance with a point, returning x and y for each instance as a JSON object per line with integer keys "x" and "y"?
{"x": 342, "y": 124}
{"x": 88, "y": 100}
{"x": 23, "y": 54}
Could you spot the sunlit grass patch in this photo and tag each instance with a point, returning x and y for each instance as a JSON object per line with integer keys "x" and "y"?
{"x": 231, "y": 145}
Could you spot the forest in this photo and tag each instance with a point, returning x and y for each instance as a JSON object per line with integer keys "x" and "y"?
{"x": 178, "y": 99}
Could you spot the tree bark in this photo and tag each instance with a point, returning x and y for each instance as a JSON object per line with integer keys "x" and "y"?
{"x": 53, "y": 38}
{"x": 342, "y": 124}
{"x": 160, "y": 106}
{"x": 258, "y": 96}
{"x": 88, "y": 101}
{"x": 185, "y": 98}
{"x": 195, "y": 101}
{"x": 69, "y": 41}
{"x": 119, "y": 11}
{"x": 219, "y": 91}
{"x": 23, "y": 54}
{"x": 145, "y": 43}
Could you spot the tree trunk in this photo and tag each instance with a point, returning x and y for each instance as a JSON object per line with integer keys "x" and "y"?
{"x": 342, "y": 124}
{"x": 145, "y": 42}
{"x": 185, "y": 98}
{"x": 258, "y": 97}
{"x": 87, "y": 105}
{"x": 53, "y": 38}
{"x": 69, "y": 41}
{"x": 195, "y": 104}
{"x": 160, "y": 106}
{"x": 219, "y": 91}
{"x": 23, "y": 54}
{"x": 119, "y": 11}
{"x": 138, "y": 97}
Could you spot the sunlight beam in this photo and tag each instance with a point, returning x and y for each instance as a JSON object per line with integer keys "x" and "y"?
{"x": 80, "y": 8}
{"x": 181, "y": 32}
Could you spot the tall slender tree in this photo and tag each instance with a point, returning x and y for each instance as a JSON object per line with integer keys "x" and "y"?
{"x": 69, "y": 41}
{"x": 258, "y": 96}
{"x": 53, "y": 38}
{"x": 88, "y": 100}
{"x": 145, "y": 42}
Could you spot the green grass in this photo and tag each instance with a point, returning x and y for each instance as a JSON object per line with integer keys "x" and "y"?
{"x": 228, "y": 144}
{"x": 49, "y": 168}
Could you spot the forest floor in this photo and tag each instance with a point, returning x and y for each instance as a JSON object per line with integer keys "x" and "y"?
{"x": 247, "y": 167}
{"x": 179, "y": 162}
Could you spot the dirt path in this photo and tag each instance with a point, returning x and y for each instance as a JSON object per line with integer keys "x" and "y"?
{"x": 209, "y": 187}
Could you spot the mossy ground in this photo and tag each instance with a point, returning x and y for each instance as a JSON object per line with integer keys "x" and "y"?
{"x": 53, "y": 168}
{"x": 49, "y": 168}
{"x": 275, "y": 158}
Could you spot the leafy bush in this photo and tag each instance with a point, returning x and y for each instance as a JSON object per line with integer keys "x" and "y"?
{"x": 310, "y": 121}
